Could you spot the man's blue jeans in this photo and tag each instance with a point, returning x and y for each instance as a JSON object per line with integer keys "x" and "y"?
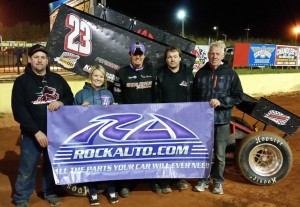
{"x": 29, "y": 160}
{"x": 222, "y": 133}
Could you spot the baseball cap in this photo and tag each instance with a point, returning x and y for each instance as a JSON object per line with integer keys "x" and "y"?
{"x": 36, "y": 48}
{"x": 137, "y": 47}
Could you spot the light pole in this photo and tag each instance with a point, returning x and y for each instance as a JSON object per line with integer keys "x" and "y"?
{"x": 247, "y": 33}
{"x": 225, "y": 37}
{"x": 181, "y": 15}
{"x": 296, "y": 30}
{"x": 217, "y": 30}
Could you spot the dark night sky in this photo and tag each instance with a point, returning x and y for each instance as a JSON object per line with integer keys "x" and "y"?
{"x": 266, "y": 19}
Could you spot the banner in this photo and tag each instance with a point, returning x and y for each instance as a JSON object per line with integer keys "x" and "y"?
{"x": 262, "y": 55}
{"x": 83, "y": 5}
{"x": 134, "y": 141}
{"x": 201, "y": 53}
{"x": 241, "y": 55}
{"x": 286, "y": 55}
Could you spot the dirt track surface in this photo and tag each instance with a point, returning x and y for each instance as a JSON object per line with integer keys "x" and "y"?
{"x": 238, "y": 192}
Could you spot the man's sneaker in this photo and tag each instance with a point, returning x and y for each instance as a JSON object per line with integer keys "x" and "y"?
{"x": 166, "y": 189}
{"x": 94, "y": 201}
{"x": 53, "y": 200}
{"x": 218, "y": 188}
{"x": 25, "y": 204}
{"x": 201, "y": 186}
{"x": 156, "y": 188}
{"x": 182, "y": 185}
{"x": 124, "y": 192}
{"x": 113, "y": 200}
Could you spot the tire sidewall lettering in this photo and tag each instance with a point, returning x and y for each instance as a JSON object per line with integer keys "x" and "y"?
{"x": 263, "y": 138}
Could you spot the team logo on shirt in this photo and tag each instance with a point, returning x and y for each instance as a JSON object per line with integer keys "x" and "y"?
{"x": 140, "y": 85}
{"x": 47, "y": 95}
{"x": 132, "y": 77}
{"x": 183, "y": 83}
{"x": 106, "y": 100}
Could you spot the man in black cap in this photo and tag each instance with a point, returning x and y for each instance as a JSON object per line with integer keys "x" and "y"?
{"x": 33, "y": 93}
{"x": 134, "y": 84}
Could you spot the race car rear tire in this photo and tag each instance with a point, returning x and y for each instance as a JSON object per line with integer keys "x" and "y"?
{"x": 76, "y": 189}
{"x": 264, "y": 158}
{"x": 82, "y": 189}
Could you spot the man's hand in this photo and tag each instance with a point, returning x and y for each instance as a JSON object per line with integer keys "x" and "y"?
{"x": 214, "y": 103}
{"x": 53, "y": 106}
{"x": 85, "y": 103}
{"x": 42, "y": 139}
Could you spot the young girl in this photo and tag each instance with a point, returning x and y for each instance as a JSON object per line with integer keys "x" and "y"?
{"x": 96, "y": 93}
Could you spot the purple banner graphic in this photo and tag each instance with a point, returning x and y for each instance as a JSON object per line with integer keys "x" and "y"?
{"x": 136, "y": 141}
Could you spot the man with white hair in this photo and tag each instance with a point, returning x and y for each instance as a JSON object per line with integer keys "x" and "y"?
{"x": 219, "y": 85}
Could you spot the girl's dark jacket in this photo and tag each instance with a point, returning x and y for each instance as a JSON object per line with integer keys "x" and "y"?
{"x": 31, "y": 95}
{"x": 93, "y": 96}
{"x": 222, "y": 84}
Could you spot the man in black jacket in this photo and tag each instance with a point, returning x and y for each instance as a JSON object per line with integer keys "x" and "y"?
{"x": 174, "y": 83}
{"x": 33, "y": 93}
{"x": 219, "y": 85}
{"x": 134, "y": 84}
{"x": 174, "y": 79}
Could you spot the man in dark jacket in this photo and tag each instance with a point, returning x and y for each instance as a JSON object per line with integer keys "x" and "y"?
{"x": 174, "y": 79}
{"x": 134, "y": 84}
{"x": 33, "y": 93}
{"x": 174, "y": 83}
{"x": 219, "y": 85}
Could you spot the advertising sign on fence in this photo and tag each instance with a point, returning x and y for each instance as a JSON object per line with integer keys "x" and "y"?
{"x": 201, "y": 53}
{"x": 286, "y": 55}
{"x": 83, "y": 5}
{"x": 262, "y": 55}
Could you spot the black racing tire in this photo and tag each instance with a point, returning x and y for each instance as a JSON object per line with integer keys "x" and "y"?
{"x": 76, "y": 189}
{"x": 264, "y": 158}
{"x": 82, "y": 189}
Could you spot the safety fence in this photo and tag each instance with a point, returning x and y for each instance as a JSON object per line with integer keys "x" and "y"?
{"x": 14, "y": 59}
